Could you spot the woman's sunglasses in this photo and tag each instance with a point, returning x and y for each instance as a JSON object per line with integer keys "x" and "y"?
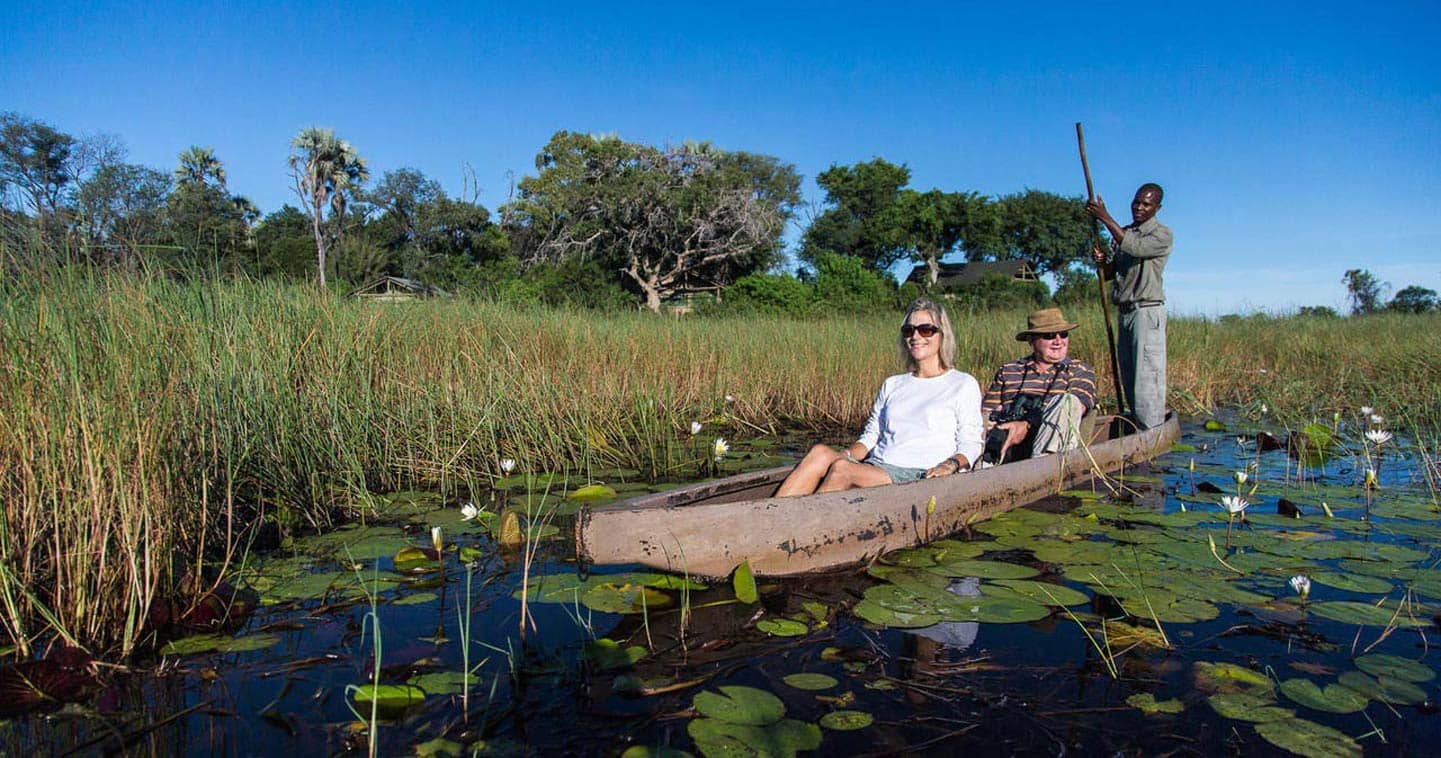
{"x": 925, "y": 330}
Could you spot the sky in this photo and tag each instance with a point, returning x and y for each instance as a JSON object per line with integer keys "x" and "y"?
{"x": 1295, "y": 141}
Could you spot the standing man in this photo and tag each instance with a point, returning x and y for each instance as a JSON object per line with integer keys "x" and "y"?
{"x": 1137, "y": 257}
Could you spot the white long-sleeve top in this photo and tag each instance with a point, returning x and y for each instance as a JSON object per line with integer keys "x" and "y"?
{"x": 917, "y": 423}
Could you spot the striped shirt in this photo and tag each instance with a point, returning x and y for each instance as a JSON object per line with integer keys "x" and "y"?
{"x": 1021, "y": 375}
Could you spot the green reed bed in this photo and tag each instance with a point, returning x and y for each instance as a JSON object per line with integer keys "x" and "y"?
{"x": 152, "y": 426}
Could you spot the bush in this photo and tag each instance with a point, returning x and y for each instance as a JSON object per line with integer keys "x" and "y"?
{"x": 844, "y": 284}
{"x": 768, "y": 293}
{"x": 1001, "y": 292}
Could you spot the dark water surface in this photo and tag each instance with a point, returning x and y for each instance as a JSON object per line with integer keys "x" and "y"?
{"x": 1035, "y": 687}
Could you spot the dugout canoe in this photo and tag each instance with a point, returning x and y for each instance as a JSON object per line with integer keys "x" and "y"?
{"x": 709, "y": 528}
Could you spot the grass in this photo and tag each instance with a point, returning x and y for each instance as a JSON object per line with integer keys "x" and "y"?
{"x": 152, "y": 427}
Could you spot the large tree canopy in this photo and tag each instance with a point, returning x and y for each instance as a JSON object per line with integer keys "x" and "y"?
{"x": 1046, "y": 230}
{"x": 865, "y": 219}
{"x": 667, "y": 219}
{"x": 328, "y": 173}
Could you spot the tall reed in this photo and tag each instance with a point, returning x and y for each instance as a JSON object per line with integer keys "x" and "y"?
{"x": 151, "y": 425}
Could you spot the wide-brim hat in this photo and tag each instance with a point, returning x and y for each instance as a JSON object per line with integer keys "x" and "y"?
{"x": 1043, "y": 321}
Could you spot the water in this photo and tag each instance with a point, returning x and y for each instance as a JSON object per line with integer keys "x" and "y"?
{"x": 1038, "y": 687}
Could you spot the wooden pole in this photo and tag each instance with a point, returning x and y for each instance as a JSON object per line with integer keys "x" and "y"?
{"x": 1101, "y": 278}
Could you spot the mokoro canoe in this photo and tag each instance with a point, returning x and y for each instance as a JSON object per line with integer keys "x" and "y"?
{"x": 707, "y": 529}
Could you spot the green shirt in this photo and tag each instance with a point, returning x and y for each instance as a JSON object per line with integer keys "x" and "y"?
{"x": 1139, "y": 260}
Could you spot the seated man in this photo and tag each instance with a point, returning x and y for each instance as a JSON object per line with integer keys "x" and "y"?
{"x": 1035, "y": 404}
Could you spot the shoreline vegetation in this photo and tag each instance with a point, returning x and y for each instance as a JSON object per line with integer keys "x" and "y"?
{"x": 152, "y": 427}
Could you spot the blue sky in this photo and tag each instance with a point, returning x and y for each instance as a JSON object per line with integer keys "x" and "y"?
{"x": 1295, "y": 140}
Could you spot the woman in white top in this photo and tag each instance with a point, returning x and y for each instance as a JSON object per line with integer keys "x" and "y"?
{"x": 925, "y": 423}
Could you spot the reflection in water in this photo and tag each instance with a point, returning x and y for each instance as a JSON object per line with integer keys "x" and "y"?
{"x": 958, "y": 635}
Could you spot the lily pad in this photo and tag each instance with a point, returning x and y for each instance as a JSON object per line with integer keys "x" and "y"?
{"x": 714, "y": 737}
{"x": 1147, "y": 703}
{"x": 1394, "y": 691}
{"x": 1232, "y": 678}
{"x": 1242, "y": 706}
{"x": 389, "y": 697}
{"x": 591, "y": 493}
{"x": 782, "y": 627}
{"x": 610, "y": 597}
{"x": 1335, "y": 698}
{"x": 411, "y": 559}
{"x": 1040, "y": 592}
{"x": 1307, "y": 738}
{"x": 995, "y": 611}
{"x": 1396, "y": 667}
{"x": 443, "y": 682}
{"x": 416, "y": 598}
{"x": 606, "y": 653}
{"x": 812, "y": 682}
{"x": 1353, "y": 582}
{"x": 1352, "y": 612}
{"x": 876, "y": 613}
{"x": 983, "y": 569}
{"x": 220, "y": 643}
{"x": 740, "y": 705}
{"x": 844, "y": 721}
{"x": 744, "y": 583}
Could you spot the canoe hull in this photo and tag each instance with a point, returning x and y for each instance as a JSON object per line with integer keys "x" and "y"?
{"x": 709, "y": 528}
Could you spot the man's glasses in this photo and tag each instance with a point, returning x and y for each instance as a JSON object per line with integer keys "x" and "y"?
{"x": 1053, "y": 335}
{"x": 925, "y": 330}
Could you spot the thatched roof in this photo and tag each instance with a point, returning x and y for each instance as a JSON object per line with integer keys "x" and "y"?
{"x": 959, "y": 274}
{"x": 396, "y": 288}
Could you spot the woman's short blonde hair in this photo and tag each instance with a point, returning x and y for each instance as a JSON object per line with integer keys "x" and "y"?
{"x": 939, "y": 318}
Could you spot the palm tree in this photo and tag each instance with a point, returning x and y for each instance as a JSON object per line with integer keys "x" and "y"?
{"x": 327, "y": 172}
{"x": 197, "y": 164}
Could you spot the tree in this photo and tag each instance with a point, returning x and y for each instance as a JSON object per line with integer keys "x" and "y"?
{"x": 122, "y": 208}
{"x": 198, "y": 165}
{"x": 865, "y": 219}
{"x": 1047, "y": 230}
{"x": 1414, "y": 299}
{"x": 328, "y": 172}
{"x": 667, "y": 219}
{"x": 284, "y": 243}
{"x": 205, "y": 219}
{"x": 937, "y": 223}
{"x": 1364, "y": 291}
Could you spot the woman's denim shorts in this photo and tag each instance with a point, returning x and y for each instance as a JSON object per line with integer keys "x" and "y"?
{"x": 899, "y": 474}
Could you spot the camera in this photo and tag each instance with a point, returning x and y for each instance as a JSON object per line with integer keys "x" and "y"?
{"x": 1025, "y": 407}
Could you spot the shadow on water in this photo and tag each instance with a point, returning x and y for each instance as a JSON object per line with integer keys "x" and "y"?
{"x": 1161, "y": 646}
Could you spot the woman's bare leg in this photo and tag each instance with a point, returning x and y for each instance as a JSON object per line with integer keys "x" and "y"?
{"x": 845, "y": 475}
{"x": 807, "y": 474}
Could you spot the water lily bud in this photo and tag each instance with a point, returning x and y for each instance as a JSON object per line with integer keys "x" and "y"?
{"x": 695, "y": 427}
{"x": 720, "y": 448}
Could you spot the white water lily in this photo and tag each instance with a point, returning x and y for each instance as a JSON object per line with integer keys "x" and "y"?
{"x": 720, "y": 448}
{"x": 1377, "y": 419}
{"x": 730, "y": 398}
{"x": 468, "y": 512}
{"x": 695, "y": 427}
{"x": 507, "y": 465}
{"x": 435, "y": 538}
{"x": 1367, "y": 410}
{"x": 1241, "y": 477}
{"x": 1302, "y": 585}
{"x": 1379, "y": 436}
{"x": 1263, "y": 409}
{"x": 1234, "y": 503}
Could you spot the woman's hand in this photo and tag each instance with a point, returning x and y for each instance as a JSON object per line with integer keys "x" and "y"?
{"x": 944, "y": 468}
